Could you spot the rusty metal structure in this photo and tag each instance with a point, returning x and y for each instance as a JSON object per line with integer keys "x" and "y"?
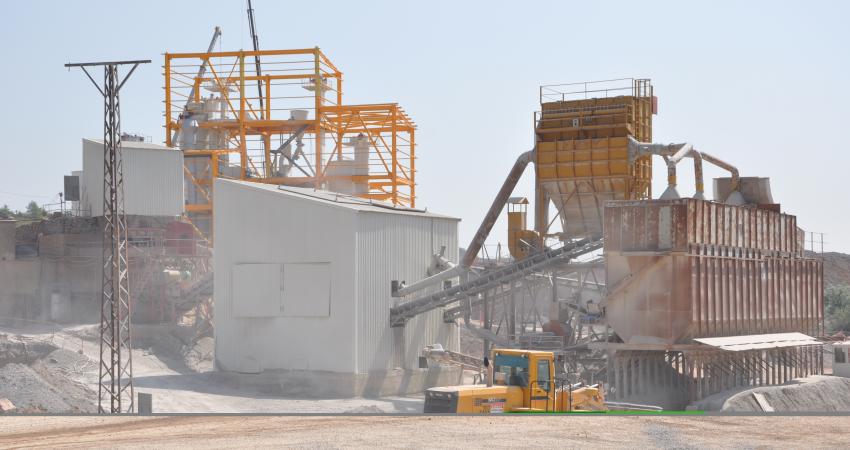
{"x": 682, "y": 272}
{"x": 685, "y": 269}
{"x": 668, "y": 299}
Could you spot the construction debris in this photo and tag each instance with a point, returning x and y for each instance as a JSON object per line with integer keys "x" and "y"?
{"x": 6, "y": 406}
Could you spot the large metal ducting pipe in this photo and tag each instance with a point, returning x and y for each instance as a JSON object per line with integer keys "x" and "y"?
{"x": 673, "y": 154}
{"x": 735, "y": 197}
{"x": 483, "y": 230}
{"x": 496, "y": 208}
{"x": 686, "y": 150}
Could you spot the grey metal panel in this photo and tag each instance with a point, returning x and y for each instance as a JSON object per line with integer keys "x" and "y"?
{"x": 255, "y": 225}
{"x": 153, "y": 179}
{"x": 259, "y": 289}
{"x": 71, "y": 188}
{"x": 366, "y": 250}
{"x": 398, "y": 247}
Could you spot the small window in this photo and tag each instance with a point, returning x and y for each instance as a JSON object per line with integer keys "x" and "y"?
{"x": 840, "y": 356}
{"x": 512, "y": 369}
{"x": 543, "y": 375}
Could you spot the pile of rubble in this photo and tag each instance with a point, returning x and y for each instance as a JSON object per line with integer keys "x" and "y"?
{"x": 37, "y": 376}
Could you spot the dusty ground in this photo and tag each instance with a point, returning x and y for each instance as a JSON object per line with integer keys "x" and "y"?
{"x": 817, "y": 393}
{"x": 425, "y": 432}
{"x": 62, "y": 377}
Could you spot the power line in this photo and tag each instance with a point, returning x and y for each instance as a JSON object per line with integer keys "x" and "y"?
{"x": 28, "y": 195}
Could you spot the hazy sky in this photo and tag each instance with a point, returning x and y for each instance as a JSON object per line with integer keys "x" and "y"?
{"x": 763, "y": 85}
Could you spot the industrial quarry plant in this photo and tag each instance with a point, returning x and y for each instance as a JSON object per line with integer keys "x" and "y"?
{"x": 271, "y": 251}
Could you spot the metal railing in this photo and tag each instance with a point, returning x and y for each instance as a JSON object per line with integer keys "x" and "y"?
{"x": 594, "y": 89}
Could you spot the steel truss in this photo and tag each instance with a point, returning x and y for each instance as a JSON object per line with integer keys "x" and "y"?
{"x": 115, "y": 392}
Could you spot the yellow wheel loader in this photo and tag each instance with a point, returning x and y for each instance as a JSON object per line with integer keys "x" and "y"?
{"x": 517, "y": 381}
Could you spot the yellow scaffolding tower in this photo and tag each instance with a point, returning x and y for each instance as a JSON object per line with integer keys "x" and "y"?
{"x": 303, "y": 135}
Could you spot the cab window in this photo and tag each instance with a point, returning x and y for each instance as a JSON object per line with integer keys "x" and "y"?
{"x": 510, "y": 370}
{"x": 543, "y": 374}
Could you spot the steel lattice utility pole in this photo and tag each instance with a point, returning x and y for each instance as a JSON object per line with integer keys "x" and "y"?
{"x": 116, "y": 362}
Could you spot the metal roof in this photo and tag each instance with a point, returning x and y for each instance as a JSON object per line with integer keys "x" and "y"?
{"x": 518, "y": 200}
{"x": 136, "y": 145}
{"x": 338, "y": 200}
{"x": 759, "y": 341}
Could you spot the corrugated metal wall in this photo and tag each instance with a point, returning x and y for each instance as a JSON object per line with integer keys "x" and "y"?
{"x": 398, "y": 247}
{"x": 741, "y": 291}
{"x": 153, "y": 179}
{"x": 687, "y": 268}
{"x": 366, "y": 251}
{"x": 643, "y": 225}
{"x": 256, "y": 224}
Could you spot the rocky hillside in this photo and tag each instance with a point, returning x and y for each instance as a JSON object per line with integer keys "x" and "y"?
{"x": 836, "y": 269}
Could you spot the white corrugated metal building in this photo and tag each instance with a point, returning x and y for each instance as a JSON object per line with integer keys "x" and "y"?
{"x": 153, "y": 179}
{"x": 303, "y": 280}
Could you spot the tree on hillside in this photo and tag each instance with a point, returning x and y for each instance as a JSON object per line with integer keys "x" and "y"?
{"x": 34, "y": 211}
{"x": 6, "y": 213}
{"x": 836, "y": 305}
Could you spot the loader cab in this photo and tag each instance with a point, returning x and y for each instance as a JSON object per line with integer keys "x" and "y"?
{"x": 531, "y": 371}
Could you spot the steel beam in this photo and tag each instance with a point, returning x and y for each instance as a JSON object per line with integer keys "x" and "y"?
{"x": 115, "y": 391}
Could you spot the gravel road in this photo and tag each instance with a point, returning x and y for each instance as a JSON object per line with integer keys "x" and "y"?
{"x": 424, "y": 432}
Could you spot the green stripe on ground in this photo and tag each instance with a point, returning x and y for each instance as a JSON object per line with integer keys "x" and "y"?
{"x": 628, "y": 413}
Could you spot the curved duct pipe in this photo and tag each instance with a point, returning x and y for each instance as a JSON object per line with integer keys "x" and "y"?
{"x": 483, "y": 230}
{"x": 673, "y": 153}
{"x": 689, "y": 151}
{"x": 735, "y": 197}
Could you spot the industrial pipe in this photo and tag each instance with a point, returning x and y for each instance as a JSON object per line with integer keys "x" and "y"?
{"x": 673, "y": 154}
{"x": 689, "y": 151}
{"x": 439, "y": 263}
{"x": 201, "y": 71}
{"x": 429, "y": 281}
{"x": 671, "y": 193}
{"x": 496, "y": 208}
{"x": 480, "y": 237}
{"x": 735, "y": 197}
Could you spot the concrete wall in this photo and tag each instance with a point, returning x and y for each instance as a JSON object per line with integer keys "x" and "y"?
{"x": 254, "y": 225}
{"x": 153, "y": 179}
{"x": 20, "y": 293}
{"x": 71, "y": 276}
{"x": 7, "y": 240}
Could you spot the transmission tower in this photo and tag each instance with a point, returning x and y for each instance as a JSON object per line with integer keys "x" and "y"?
{"x": 115, "y": 393}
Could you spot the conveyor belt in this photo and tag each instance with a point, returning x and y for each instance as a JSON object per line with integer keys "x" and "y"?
{"x": 400, "y": 314}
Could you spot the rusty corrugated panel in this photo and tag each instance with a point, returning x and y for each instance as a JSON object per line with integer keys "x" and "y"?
{"x": 633, "y": 226}
{"x": 688, "y": 268}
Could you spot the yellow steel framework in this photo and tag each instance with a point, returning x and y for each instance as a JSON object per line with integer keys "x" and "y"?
{"x": 582, "y": 157}
{"x": 365, "y": 150}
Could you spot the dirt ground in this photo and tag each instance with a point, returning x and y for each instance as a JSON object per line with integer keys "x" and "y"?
{"x": 424, "y": 432}
{"x": 62, "y": 377}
